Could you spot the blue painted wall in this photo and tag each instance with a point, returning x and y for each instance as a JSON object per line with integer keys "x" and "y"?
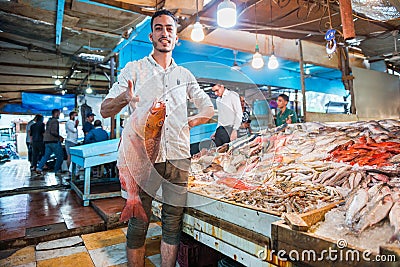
{"x": 213, "y": 62}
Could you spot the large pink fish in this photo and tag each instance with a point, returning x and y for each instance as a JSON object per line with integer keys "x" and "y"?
{"x": 138, "y": 150}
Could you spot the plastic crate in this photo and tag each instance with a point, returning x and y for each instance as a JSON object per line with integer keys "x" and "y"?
{"x": 195, "y": 254}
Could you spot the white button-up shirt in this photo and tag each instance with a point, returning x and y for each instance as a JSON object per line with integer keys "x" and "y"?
{"x": 173, "y": 86}
{"x": 229, "y": 109}
{"x": 72, "y": 132}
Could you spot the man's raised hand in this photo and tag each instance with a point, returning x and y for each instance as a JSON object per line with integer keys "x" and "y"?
{"x": 129, "y": 94}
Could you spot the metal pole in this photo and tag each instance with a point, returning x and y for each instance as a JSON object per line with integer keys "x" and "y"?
{"x": 348, "y": 79}
{"x": 112, "y": 79}
{"x": 303, "y": 84}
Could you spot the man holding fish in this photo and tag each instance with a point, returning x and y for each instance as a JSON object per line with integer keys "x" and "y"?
{"x": 156, "y": 84}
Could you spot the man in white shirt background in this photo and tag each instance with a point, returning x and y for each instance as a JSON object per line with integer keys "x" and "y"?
{"x": 229, "y": 115}
{"x": 71, "y": 127}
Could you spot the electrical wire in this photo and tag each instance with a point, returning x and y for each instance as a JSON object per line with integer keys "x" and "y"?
{"x": 374, "y": 20}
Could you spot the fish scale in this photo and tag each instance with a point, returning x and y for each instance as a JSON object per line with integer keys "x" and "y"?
{"x": 138, "y": 150}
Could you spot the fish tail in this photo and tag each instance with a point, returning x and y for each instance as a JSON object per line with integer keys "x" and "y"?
{"x": 395, "y": 236}
{"x": 133, "y": 208}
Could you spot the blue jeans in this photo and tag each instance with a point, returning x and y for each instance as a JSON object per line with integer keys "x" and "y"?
{"x": 51, "y": 148}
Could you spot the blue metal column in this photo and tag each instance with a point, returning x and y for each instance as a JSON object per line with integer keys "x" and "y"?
{"x": 60, "y": 16}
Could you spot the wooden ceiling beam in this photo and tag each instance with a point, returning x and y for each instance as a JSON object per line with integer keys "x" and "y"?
{"x": 126, "y": 6}
{"x": 45, "y": 67}
{"x": 192, "y": 19}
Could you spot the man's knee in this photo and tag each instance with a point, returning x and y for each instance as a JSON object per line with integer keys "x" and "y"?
{"x": 136, "y": 234}
{"x": 171, "y": 218}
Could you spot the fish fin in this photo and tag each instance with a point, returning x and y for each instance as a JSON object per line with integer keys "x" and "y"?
{"x": 133, "y": 208}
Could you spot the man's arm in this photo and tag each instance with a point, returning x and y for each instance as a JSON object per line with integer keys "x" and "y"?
{"x": 237, "y": 110}
{"x": 202, "y": 102}
{"x": 111, "y": 106}
{"x": 202, "y": 117}
{"x": 114, "y": 104}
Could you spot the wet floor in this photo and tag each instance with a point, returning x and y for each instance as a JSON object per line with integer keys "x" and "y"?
{"x": 16, "y": 176}
{"x": 41, "y": 218}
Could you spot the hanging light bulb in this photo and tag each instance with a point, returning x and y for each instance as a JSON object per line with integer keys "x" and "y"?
{"x": 226, "y": 14}
{"x": 63, "y": 92}
{"x": 57, "y": 82}
{"x": 273, "y": 62}
{"x": 257, "y": 61}
{"x": 197, "y": 34}
{"x": 89, "y": 90}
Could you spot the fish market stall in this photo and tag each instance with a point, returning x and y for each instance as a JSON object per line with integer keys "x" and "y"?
{"x": 345, "y": 173}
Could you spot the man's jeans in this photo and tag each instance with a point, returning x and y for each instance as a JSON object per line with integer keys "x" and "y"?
{"x": 51, "y": 148}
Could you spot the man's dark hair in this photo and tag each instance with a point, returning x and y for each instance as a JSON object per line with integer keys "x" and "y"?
{"x": 285, "y": 97}
{"x": 97, "y": 123}
{"x": 54, "y": 111}
{"x": 160, "y": 13}
{"x": 39, "y": 118}
{"x": 36, "y": 117}
{"x": 72, "y": 113}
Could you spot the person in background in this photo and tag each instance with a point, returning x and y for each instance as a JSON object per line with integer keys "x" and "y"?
{"x": 28, "y": 139}
{"x": 285, "y": 115}
{"x": 88, "y": 125}
{"x": 98, "y": 134}
{"x": 71, "y": 127}
{"x": 229, "y": 115}
{"x": 52, "y": 141}
{"x": 36, "y": 134}
{"x": 244, "y": 128}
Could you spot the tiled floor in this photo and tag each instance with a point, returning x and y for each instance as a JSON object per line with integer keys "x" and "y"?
{"x": 37, "y": 213}
{"x": 20, "y": 214}
{"x": 30, "y": 214}
{"x": 99, "y": 249}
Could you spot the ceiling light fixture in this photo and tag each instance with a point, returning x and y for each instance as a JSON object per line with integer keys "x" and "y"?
{"x": 257, "y": 61}
{"x": 273, "y": 61}
{"x": 197, "y": 34}
{"x": 89, "y": 89}
{"x": 226, "y": 14}
{"x": 57, "y": 82}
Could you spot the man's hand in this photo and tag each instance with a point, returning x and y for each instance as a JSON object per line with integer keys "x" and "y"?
{"x": 112, "y": 106}
{"x": 61, "y": 139}
{"x": 289, "y": 119}
{"x": 129, "y": 95}
{"x": 233, "y": 135}
{"x": 212, "y": 136}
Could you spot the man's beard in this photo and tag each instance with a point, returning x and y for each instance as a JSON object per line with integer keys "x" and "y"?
{"x": 162, "y": 49}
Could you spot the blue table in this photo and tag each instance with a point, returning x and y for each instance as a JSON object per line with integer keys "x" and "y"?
{"x": 202, "y": 132}
{"x": 88, "y": 156}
